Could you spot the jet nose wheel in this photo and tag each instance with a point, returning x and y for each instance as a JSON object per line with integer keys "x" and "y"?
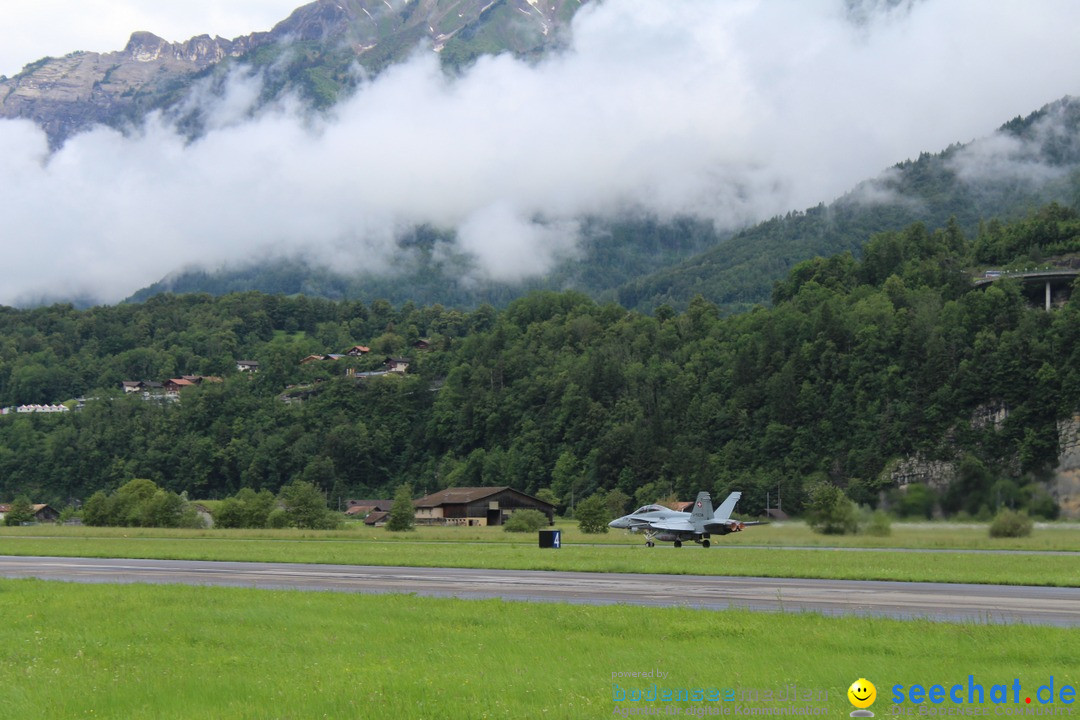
{"x": 649, "y": 543}
{"x": 678, "y": 543}
{"x": 705, "y": 543}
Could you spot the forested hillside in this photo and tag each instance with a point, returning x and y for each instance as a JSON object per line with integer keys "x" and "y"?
{"x": 857, "y": 364}
{"x": 430, "y": 270}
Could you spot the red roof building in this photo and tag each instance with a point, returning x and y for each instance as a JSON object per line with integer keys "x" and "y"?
{"x": 175, "y": 385}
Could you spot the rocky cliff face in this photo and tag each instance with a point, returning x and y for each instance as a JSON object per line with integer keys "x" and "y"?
{"x": 198, "y": 52}
{"x": 69, "y": 94}
{"x": 937, "y": 474}
{"x": 1064, "y": 487}
{"x": 312, "y": 52}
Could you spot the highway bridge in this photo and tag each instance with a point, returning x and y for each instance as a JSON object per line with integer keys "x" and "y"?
{"x": 1050, "y": 277}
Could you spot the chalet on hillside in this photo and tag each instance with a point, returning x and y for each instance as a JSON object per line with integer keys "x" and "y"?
{"x": 247, "y": 365}
{"x": 422, "y": 344}
{"x": 357, "y": 351}
{"x": 398, "y": 365}
{"x": 175, "y": 385}
{"x": 476, "y": 506}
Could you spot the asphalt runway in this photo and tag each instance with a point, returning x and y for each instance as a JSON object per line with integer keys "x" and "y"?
{"x": 935, "y": 601}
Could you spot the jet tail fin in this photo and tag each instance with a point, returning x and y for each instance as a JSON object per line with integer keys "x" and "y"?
{"x": 702, "y": 509}
{"x": 727, "y": 507}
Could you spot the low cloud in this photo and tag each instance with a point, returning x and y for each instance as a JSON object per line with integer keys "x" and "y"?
{"x": 731, "y": 112}
{"x": 1047, "y": 151}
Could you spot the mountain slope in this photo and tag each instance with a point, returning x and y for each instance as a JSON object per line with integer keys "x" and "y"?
{"x": 429, "y": 270}
{"x": 325, "y": 48}
{"x": 1029, "y": 162}
{"x": 69, "y": 94}
{"x": 644, "y": 262}
{"x": 314, "y": 52}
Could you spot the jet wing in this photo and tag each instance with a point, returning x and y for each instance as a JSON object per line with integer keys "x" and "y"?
{"x": 673, "y": 524}
{"x": 719, "y": 526}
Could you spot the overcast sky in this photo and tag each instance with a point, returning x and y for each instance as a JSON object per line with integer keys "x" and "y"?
{"x": 731, "y": 110}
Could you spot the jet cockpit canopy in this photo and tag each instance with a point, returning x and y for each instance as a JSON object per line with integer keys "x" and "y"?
{"x": 649, "y": 508}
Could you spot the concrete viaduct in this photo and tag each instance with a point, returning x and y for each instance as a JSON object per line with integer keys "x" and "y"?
{"x": 1047, "y": 276}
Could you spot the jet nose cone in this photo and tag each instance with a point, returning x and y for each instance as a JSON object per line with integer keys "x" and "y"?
{"x": 618, "y": 523}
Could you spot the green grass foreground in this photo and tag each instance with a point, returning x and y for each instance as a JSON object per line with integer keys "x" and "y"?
{"x": 491, "y": 548}
{"x": 142, "y": 651}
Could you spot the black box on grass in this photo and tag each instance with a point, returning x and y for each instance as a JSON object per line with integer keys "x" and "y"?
{"x": 550, "y": 538}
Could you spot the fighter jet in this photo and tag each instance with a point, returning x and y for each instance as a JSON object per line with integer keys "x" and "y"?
{"x": 657, "y": 522}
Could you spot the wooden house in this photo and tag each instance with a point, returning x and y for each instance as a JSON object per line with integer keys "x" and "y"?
{"x": 476, "y": 506}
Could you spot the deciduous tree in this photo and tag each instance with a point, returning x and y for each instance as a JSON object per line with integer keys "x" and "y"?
{"x": 402, "y": 512}
{"x": 592, "y": 514}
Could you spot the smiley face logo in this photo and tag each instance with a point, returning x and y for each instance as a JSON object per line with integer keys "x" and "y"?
{"x": 862, "y": 693}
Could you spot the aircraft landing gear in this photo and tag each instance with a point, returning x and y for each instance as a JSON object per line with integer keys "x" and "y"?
{"x": 649, "y": 543}
{"x": 678, "y": 543}
{"x": 705, "y": 543}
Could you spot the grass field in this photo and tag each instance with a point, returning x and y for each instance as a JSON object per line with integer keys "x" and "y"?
{"x": 615, "y": 552}
{"x": 103, "y": 651}
{"x": 928, "y": 535}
